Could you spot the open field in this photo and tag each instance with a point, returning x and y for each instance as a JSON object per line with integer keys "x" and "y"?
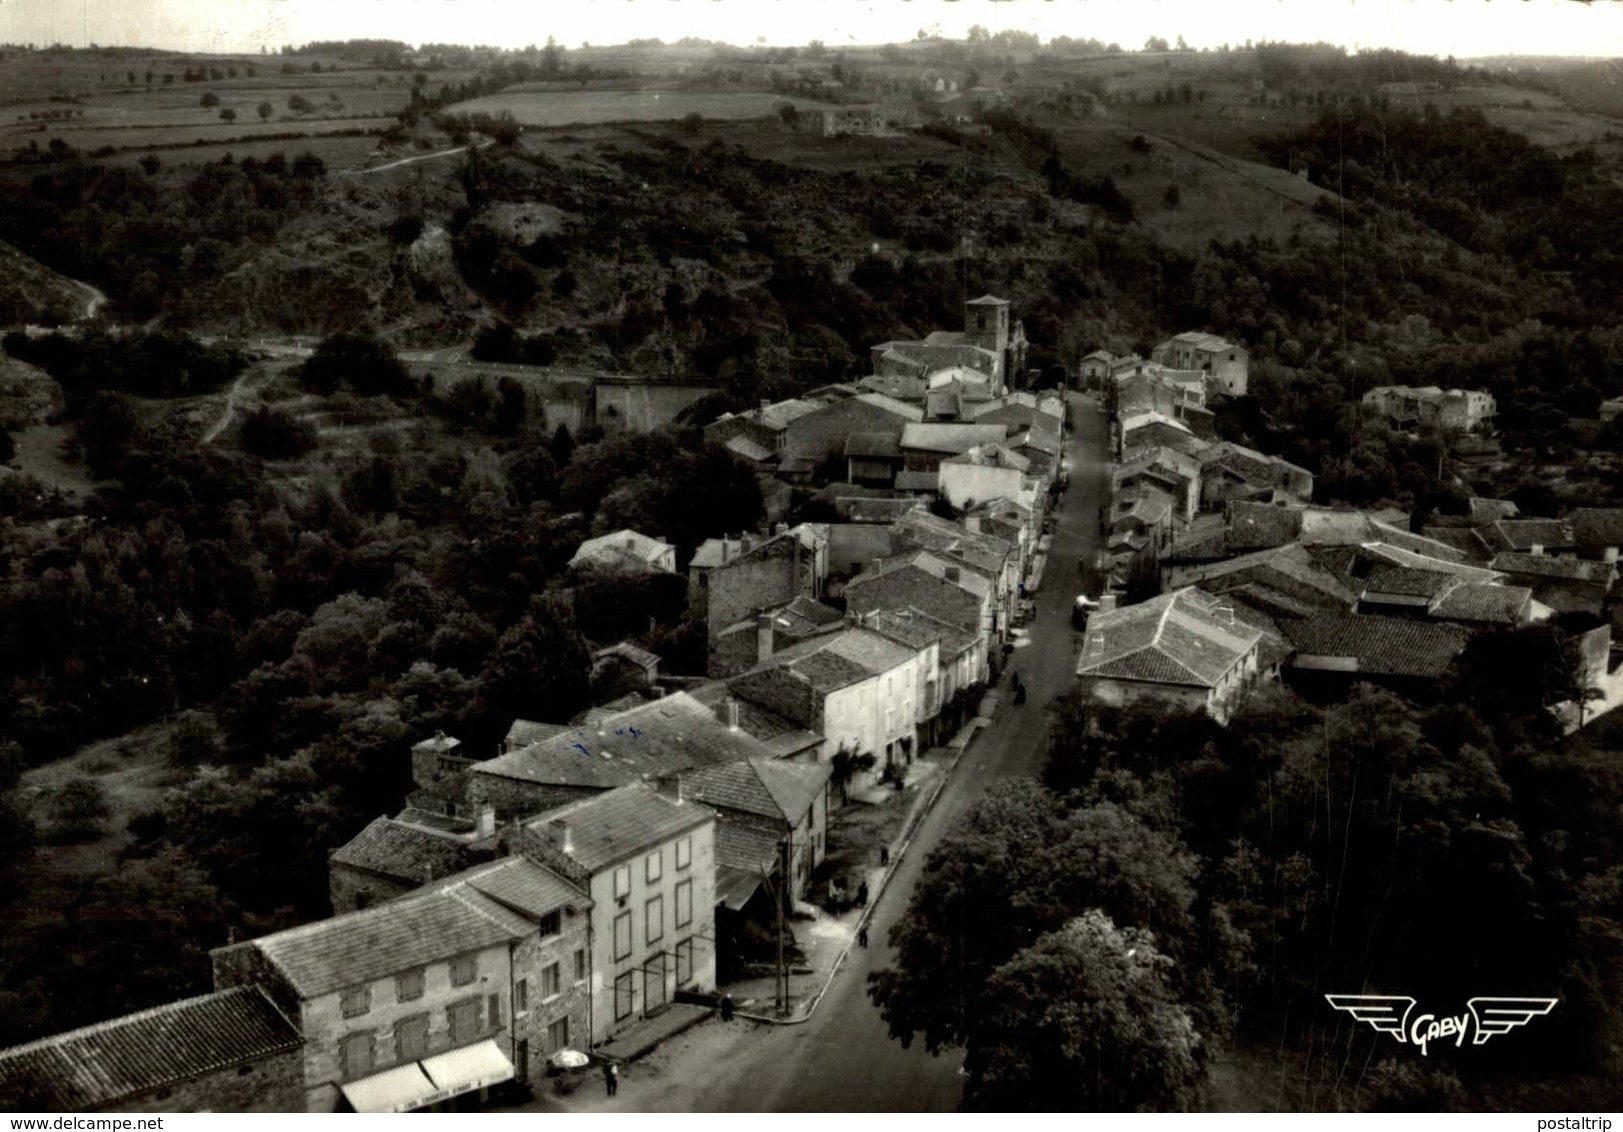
{"x": 590, "y": 107}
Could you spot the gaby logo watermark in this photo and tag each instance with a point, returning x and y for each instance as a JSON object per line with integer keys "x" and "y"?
{"x": 1484, "y": 1017}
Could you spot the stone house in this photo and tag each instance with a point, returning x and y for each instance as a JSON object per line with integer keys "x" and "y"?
{"x": 1232, "y": 471}
{"x": 1399, "y": 651}
{"x": 758, "y": 804}
{"x": 413, "y": 1002}
{"x": 625, "y": 551}
{"x": 1173, "y": 471}
{"x": 647, "y": 858}
{"x": 1458, "y": 410}
{"x": 873, "y": 458}
{"x": 816, "y": 439}
{"x": 985, "y": 472}
{"x": 1185, "y": 648}
{"x": 753, "y": 640}
{"x": 627, "y": 662}
{"x": 1227, "y": 363}
{"x": 672, "y": 734}
{"x": 925, "y": 445}
{"x": 765, "y": 427}
{"x": 855, "y": 687}
{"x": 230, "y": 1051}
{"x": 969, "y": 545}
{"x": 925, "y": 636}
{"x": 392, "y": 857}
{"x": 904, "y": 584}
{"x": 1566, "y": 585}
{"x": 735, "y": 581}
{"x": 992, "y": 342}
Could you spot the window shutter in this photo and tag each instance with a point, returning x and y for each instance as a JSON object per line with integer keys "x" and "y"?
{"x": 495, "y": 1011}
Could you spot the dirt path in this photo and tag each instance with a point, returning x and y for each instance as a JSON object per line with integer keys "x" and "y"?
{"x": 230, "y": 408}
{"x": 483, "y": 142}
{"x": 94, "y": 301}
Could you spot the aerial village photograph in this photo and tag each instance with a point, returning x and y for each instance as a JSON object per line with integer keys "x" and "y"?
{"x": 721, "y": 557}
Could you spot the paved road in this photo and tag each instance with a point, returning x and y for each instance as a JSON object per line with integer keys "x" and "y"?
{"x": 844, "y": 1059}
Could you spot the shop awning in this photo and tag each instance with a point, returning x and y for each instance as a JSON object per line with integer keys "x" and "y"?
{"x": 466, "y": 1069}
{"x": 400, "y": 1089}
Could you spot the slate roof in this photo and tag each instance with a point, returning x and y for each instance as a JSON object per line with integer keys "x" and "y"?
{"x": 1250, "y": 526}
{"x": 392, "y": 849}
{"x": 97, "y": 1066}
{"x": 625, "y": 650}
{"x": 1597, "y": 527}
{"x": 744, "y": 850}
{"x": 1183, "y": 637}
{"x": 778, "y": 790}
{"x": 621, "y": 823}
{"x": 779, "y": 415}
{"x": 615, "y": 547}
{"x": 668, "y": 735}
{"x": 748, "y": 449}
{"x": 1291, "y": 563}
{"x": 430, "y": 925}
{"x": 891, "y": 405}
{"x": 1382, "y": 646}
{"x": 1203, "y": 341}
{"x": 871, "y": 652}
{"x": 907, "y": 584}
{"x": 1483, "y": 508}
{"x": 1466, "y": 540}
{"x": 902, "y": 387}
{"x": 1545, "y": 566}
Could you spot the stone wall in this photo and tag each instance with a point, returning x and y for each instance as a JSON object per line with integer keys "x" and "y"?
{"x": 269, "y": 1084}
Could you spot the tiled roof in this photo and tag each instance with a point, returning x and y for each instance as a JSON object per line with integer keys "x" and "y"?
{"x": 1291, "y": 568}
{"x": 1404, "y": 581}
{"x": 1479, "y": 601}
{"x": 1524, "y": 534}
{"x": 1203, "y": 341}
{"x": 1253, "y": 525}
{"x": 777, "y": 790}
{"x": 916, "y": 627}
{"x": 522, "y": 885}
{"x": 891, "y": 405}
{"x": 1397, "y": 556}
{"x": 909, "y": 585}
{"x": 1466, "y": 540}
{"x": 1546, "y": 566}
{"x": 748, "y": 449}
{"x": 826, "y": 671}
{"x": 766, "y": 725}
{"x": 1484, "y": 509}
{"x": 741, "y": 847}
{"x": 1597, "y": 527}
{"x": 918, "y": 481}
{"x": 391, "y": 849}
{"x": 429, "y": 925}
{"x": 97, "y": 1066}
{"x": 989, "y": 456}
{"x": 629, "y": 542}
{"x": 671, "y": 734}
{"x": 779, "y": 415}
{"x": 1184, "y": 637}
{"x": 932, "y": 532}
{"x": 1383, "y": 646}
{"x": 941, "y": 436}
{"x": 628, "y": 651}
{"x": 872, "y": 444}
{"x": 902, "y": 387}
{"x": 621, "y": 823}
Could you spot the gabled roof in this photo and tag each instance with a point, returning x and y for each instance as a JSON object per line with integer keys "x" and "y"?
{"x": 95, "y": 1067}
{"x": 1405, "y": 581}
{"x": 1483, "y": 509}
{"x": 748, "y": 449}
{"x": 777, "y": 790}
{"x": 621, "y": 823}
{"x": 1289, "y": 568}
{"x": 1524, "y": 534}
{"x": 990, "y": 456}
{"x": 1183, "y": 637}
{"x": 918, "y": 481}
{"x": 621, "y": 545}
{"x": 902, "y": 387}
{"x": 1545, "y": 566}
{"x": 1481, "y": 601}
{"x": 891, "y": 405}
{"x": 1144, "y": 420}
{"x": 951, "y": 436}
{"x": 625, "y": 650}
{"x": 527, "y": 731}
{"x": 671, "y": 734}
{"x": 393, "y": 849}
{"x": 1382, "y": 646}
{"x": 778, "y": 416}
{"x": 522, "y": 885}
{"x": 987, "y": 300}
{"x": 431, "y": 925}
{"x": 905, "y": 585}
{"x": 1466, "y": 540}
{"x": 872, "y": 653}
{"x": 1250, "y": 526}
{"x": 779, "y": 735}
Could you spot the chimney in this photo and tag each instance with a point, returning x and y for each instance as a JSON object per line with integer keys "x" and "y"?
{"x": 781, "y": 529}
{"x": 972, "y": 523}
{"x": 765, "y": 404}
{"x": 563, "y": 836}
{"x": 669, "y": 786}
{"x": 727, "y": 713}
{"x": 952, "y": 573}
{"x": 744, "y": 543}
{"x": 765, "y": 644}
{"x": 486, "y": 822}
{"x": 724, "y": 549}
{"x": 631, "y": 543}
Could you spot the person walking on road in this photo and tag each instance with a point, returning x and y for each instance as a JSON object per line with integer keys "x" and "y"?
{"x": 611, "y": 1077}
{"x": 862, "y": 935}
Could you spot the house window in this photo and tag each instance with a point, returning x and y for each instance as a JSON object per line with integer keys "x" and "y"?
{"x": 551, "y": 984}
{"x": 358, "y": 1054}
{"x": 408, "y": 987}
{"x": 623, "y": 991}
{"x": 356, "y": 1001}
{"x": 411, "y": 1038}
{"x": 622, "y": 936}
{"x": 654, "y": 918}
{"x": 521, "y": 996}
{"x": 464, "y": 971}
{"x": 463, "y": 1020}
{"x": 684, "y": 852}
{"x": 558, "y": 1034}
{"x": 684, "y": 904}
{"x": 495, "y": 1011}
{"x": 622, "y": 882}
{"x": 654, "y": 866}
{"x": 552, "y": 924}
{"x": 684, "y": 962}
{"x": 580, "y": 965}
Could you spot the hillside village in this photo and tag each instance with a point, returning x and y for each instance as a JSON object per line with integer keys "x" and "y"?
{"x": 596, "y": 880}
{"x": 1062, "y": 491}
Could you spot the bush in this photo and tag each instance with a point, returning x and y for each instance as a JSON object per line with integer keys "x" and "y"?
{"x": 79, "y": 810}
{"x": 272, "y": 434}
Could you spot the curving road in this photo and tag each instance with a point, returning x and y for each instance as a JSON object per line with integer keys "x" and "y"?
{"x": 844, "y": 1060}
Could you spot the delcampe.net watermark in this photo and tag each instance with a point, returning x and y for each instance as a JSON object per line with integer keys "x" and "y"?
{"x": 1484, "y": 1018}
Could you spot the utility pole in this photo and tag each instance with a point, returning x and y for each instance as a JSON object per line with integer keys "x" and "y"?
{"x": 781, "y": 983}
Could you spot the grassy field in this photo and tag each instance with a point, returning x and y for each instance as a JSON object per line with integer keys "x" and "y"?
{"x": 590, "y": 107}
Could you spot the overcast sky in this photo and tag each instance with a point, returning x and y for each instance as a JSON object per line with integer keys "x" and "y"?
{"x": 1463, "y": 28}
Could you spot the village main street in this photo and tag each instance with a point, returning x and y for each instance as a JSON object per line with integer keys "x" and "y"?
{"x": 843, "y": 1059}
